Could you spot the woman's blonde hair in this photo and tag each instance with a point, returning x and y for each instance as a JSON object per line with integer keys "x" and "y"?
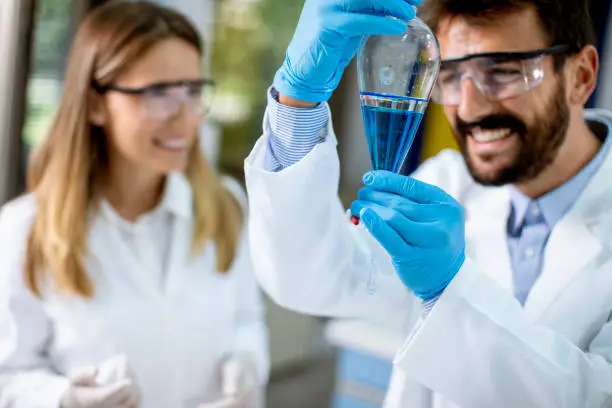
{"x": 65, "y": 168}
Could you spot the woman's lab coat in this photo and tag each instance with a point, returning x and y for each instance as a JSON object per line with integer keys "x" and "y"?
{"x": 478, "y": 348}
{"x": 174, "y": 334}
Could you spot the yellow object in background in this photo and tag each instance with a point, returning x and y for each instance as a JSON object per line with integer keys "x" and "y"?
{"x": 437, "y": 133}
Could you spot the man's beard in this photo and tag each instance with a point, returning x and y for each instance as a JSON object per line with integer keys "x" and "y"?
{"x": 539, "y": 142}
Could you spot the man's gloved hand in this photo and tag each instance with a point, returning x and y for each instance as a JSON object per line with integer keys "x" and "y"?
{"x": 419, "y": 225}
{"x": 328, "y": 36}
{"x": 85, "y": 393}
{"x": 240, "y": 385}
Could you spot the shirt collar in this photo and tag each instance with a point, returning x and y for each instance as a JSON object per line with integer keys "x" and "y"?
{"x": 177, "y": 196}
{"x": 555, "y": 204}
{"x": 520, "y": 204}
{"x": 176, "y": 200}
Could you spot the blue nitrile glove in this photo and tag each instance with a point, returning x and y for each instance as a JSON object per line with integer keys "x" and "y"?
{"x": 328, "y": 36}
{"x": 419, "y": 225}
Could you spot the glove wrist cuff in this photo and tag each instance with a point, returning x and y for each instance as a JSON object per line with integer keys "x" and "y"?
{"x": 455, "y": 268}
{"x": 285, "y": 84}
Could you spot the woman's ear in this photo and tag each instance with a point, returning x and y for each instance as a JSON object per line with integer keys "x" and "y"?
{"x": 585, "y": 68}
{"x": 97, "y": 112}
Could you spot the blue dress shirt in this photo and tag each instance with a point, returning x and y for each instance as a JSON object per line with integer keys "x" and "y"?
{"x": 532, "y": 220}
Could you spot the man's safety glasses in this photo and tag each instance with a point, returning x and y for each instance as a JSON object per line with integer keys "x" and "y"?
{"x": 165, "y": 99}
{"x": 497, "y": 76}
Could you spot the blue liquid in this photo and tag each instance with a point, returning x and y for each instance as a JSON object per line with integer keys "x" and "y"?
{"x": 391, "y": 124}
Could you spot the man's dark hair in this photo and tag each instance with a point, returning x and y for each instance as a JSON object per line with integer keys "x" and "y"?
{"x": 564, "y": 21}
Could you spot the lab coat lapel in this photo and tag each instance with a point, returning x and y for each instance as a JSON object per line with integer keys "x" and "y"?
{"x": 572, "y": 245}
{"x": 486, "y": 231}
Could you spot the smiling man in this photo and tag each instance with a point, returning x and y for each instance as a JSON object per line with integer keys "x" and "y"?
{"x": 498, "y": 257}
{"x": 514, "y": 80}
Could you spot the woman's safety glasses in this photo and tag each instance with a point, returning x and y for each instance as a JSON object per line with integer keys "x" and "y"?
{"x": 496, "y": 75}
{"x": 165, "y": 99}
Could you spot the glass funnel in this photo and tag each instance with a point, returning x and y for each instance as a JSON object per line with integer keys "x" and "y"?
{"x": 396, "y": 77}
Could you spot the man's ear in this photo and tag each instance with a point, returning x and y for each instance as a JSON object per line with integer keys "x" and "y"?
{"x": 583, "y": 76}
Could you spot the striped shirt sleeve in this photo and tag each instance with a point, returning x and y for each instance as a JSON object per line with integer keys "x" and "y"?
{"x": 293, "y": 132}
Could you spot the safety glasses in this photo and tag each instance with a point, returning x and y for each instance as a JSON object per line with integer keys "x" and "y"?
{"x": 163, "y": 100}
{"x": 496, "y": 75}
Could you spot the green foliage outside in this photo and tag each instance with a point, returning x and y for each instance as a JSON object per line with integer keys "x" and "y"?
{"x": 51, "y": 41}
{"x": 249, "y": 46}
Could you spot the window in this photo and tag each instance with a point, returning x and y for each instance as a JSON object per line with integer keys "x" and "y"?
{"x": 52, "y": 38}
{"x": 249, "y": 43}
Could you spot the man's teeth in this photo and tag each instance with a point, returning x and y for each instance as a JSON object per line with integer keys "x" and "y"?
{"x": 174, "y": 144}
{"x": 490, "y": 135}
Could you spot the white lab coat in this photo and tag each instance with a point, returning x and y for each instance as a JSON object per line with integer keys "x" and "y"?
{"x": 174, "y": 334}
{"x": 478, "y": 348}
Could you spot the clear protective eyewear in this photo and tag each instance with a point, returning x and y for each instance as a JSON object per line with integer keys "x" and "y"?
{"x": 497, "y": 75}
{"x": 165, "y": 99}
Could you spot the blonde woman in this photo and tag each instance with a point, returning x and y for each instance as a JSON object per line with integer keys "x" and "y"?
{"x": 125, "y": 279}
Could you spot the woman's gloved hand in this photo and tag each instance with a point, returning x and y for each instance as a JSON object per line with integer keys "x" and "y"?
{"x": 328, "y": 36}
{"x": 85, "y": 392}
{"x": 240, "y": 385}
{"x": 419, "y": 225}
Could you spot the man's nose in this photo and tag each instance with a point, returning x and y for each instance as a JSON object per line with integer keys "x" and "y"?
{"x": 473, "y": 105}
